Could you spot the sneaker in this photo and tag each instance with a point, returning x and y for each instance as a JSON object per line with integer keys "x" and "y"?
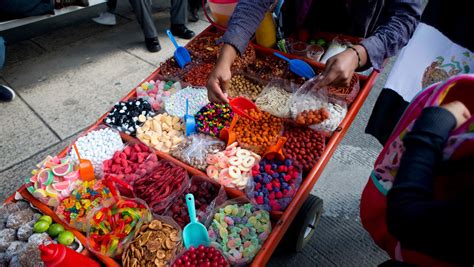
{"x": 6, "y": 93}
{"x": 153, "y": 44}
{"x": 106, "y": 18}
{"x": 181, "y": 31}
{"x": 58, "y": 4}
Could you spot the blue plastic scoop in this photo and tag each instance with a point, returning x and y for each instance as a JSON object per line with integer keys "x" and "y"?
{"x": 298, "y": 66}
{"x": 195, "y": 233}
{"x": 181, "y": 55}
{"x": 189, "y": 121}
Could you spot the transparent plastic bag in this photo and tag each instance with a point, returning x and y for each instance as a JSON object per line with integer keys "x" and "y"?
{"x": 275, "y": 98}
{"x": 161, "y": 251}
{"x": 159, "y": 183}
{"x": 123, "y": 165}
{"x": 347, "y": 94}
{"x": 337, "y": 111}
{"x": 107, "y": 231}
{"x": 335, "y": 47}
{"x": 274, "y": 189}
{"x": 207, "y": 194}
{"x": 239, "y": 229}
{"x": 194, "y": 150}
{"x": 309, "y": 105}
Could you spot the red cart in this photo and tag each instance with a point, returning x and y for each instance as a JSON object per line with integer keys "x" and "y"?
{"x": 297, "y": 223}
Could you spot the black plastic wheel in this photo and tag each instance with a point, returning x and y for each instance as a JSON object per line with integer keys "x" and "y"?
{"x": 303, "y": 226}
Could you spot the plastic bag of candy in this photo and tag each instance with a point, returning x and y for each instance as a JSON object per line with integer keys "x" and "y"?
{"x": 275, "y": 98}
{"x": 159, "y": 183}
{"x": 207, "y": 194}
{"x": 337, "y": 109}
{"x": 239, "y": 229}
{"x": 54, "y": 180}
{"x": 89, "y": 195}
{"x": 309, "y": 105}
{"x": 111, "y": 227}
{"x": 203, "y": 255}
{"x": 122, "y": 167}
{"x": 195, "y": 148}
{"x": 274, "y": 183}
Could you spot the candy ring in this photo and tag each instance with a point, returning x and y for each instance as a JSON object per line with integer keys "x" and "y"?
{"x": 256, "y": 156}
{"x": 224, "y": 177}
{"x": 212, "y": 172}
{"x": 243, "y": 153}
{"x": 235, "y": 161}
{"x": 230, "y": 151}
{"x": 233, "y": 145}
{"x": 248, "y": 162}
{"x": 244, "y": 169}
{"x": 235, "y": 172}
{"x": 223, "y": 163}
{"x": 211, "y": 159}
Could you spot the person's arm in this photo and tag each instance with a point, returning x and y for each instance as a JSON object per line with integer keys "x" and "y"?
{"x": 245, "y": 20}
{"x": 243, "y": 24}
{"x": 397, "y": 24}
{"x": 438, "y": 228}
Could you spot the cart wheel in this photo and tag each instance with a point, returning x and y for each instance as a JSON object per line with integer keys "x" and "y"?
{"x": 302, "y": 228}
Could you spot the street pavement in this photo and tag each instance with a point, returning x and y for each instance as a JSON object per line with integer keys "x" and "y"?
{"x": 69, "y": 71}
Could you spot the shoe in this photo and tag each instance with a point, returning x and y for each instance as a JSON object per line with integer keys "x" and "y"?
{"x": 193, "y": 16}
{"x": 58, "y": 4}
{"x": 106, "y": 18}
{"x": 6, "y": 93}
{"x": 153, "y": 44}
{"x": 181, "y": 31}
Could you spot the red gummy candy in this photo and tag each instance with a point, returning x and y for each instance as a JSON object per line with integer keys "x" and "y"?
{"x": 258, "y": 186}
{"x": 269, "y": 186}
{"x": 255, "y": 172}
{"x": 271, "y": 196}
{"x": 127, "y": 150}
{"x": 287, "y": 177}
{"x": 268, "y": 168}
{"x": 259, "y": 200}
{"x": 278, "y": 195}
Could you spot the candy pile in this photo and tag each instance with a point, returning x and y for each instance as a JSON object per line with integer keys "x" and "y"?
{"x": 267, "y": 68}
{"x": 18, "y": 242}
{"x": 337, "y": 112}
{"x": 240, "y": 230}
{"x": 97, "y": 146}
{"x": 128, "y": 115}
{"x": 111, "y": 228}
{"x": 162, "y": 132}
{"x": 303, "y": 145}
{"x": 154, "y": 91}
{"x": 275, "y": 184}
{"x": 275, "y": 100}
{"x": 244, "y": 60}
{"x": 175, "y": 105}
{"x": 213, "y": 117}
{"x": 204, "y": 47}
{"x": 243, "y": 86}
{"x": 197, "y": 74}
{"x": 347, "y": 94}
{"x": 194, "y": 150}
{"x": 201, "y": 257}
{"x": 170, "y": 68}
{"x": 124, "y": 163}
{"x": 259, "y": 134}
{"x": 158, "y": 185}
{"x": 312, "y": 116}
{"x": 154, "y": 245}
{"x": 54, "y": 180}
{"x": 231, "y": 168}
{"x": 205, "y": 194}
{"x": 88, "y": 196}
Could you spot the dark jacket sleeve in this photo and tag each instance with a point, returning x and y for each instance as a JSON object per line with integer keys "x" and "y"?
{"x": 247, "y": 16}
{"x": 397, "y": 24}
{"x": 442, "y": 229}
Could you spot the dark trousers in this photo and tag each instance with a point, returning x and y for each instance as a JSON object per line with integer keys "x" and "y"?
{"x": 142, "y": 9}
{"x": 13, "y": 9}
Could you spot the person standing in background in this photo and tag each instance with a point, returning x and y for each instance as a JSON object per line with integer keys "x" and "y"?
{"x": 142, "y": 10}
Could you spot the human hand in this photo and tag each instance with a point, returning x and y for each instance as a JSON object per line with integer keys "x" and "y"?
{"x": 340, "y": 68}
{"x": 219, "y": 79}
{"x": 459, "y": 111}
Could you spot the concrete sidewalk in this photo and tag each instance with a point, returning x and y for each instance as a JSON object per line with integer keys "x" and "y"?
{"x": 67, "y": 77}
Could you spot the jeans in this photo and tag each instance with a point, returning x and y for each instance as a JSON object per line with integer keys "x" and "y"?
{"x": 2, "y": 52}
{"x": 11, "y": 9}
{"x": 142, "y": 9}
